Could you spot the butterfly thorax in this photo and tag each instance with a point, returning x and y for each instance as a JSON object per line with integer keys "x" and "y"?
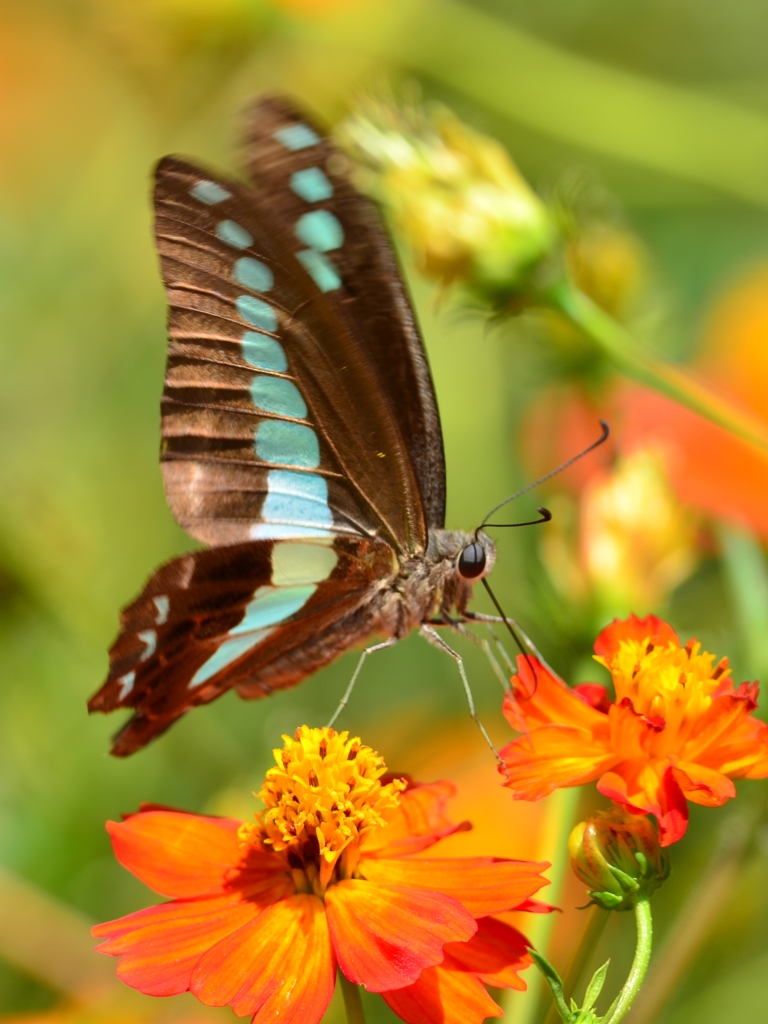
{"x": 428, "y": 586}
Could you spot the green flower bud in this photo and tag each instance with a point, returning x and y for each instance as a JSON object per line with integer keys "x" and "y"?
{"x": 456, "y": 196}
{"x": 618, "y": 857}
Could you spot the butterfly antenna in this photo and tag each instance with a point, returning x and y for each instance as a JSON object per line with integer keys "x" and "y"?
{"x": 544, "y": 517}
{"x": 547, "y": 476}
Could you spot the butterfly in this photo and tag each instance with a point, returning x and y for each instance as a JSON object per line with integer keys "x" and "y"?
{"x": 300, "y": 439}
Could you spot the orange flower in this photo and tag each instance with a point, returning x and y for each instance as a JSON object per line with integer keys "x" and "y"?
{"x": 708, "y": 467}
{"x": 263, "y": 913}
{"x": 677, "y": 729}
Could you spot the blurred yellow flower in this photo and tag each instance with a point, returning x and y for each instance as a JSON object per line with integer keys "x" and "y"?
{"x": 638, "y": 542}
{"x": 455, "y": 196}
{"x": 634, "y": 541}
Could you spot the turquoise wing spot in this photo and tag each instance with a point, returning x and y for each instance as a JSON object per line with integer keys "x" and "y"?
{"x": 271, "y": 605}
{"x": 163, "y": 606}
{"x": 297, "y": 136}
{"x": 263, "y": 352}
{"x": 289, "y": 444}
{"x": 126, "y": 684}
{"x": 209, "y": 192}
{"x": 295, "y": 563}
{"x": 253, "y": 274}
{"x": 296, "y": 505}
{"x": 148, "y": 637}
{"x": 311, "y": 185}
{"x": 278, "y": 395}
{"x": 320, "y": 269}
{"x": 228, "y": 652}
{"x": 320, "y": 230}
{"x": 234, "y": 234}
{"x": 256, "y": 312}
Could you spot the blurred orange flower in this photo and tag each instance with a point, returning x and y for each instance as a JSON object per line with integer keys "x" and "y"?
{"x": 263, "y": 912}
{"x": 677, "y": 729}
{"x": 708, "y": 467}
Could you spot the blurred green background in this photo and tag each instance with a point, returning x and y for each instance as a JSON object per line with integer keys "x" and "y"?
{"x": 664, "y": 103}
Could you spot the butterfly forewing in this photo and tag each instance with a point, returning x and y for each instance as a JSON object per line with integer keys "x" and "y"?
{"x": 305, "y": 180}
{"x": 268, "y": 391}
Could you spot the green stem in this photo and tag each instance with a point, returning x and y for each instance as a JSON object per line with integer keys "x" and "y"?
{"x": 589, "y": 940}
{"x": 642, "y": 365}
{"x": 639, "y": 965}
{"x": 353, "y": 1004}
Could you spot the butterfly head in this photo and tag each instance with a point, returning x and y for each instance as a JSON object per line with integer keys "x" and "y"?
{"x": 468, "y": 556}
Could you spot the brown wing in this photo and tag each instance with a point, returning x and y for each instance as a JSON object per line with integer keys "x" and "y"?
{"x": 290, "y": 176}
{"x": 258, "y": 617}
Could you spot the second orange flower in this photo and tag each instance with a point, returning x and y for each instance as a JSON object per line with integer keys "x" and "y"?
{"x": 677, "y": 730}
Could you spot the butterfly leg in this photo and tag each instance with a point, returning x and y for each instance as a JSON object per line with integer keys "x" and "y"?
{"x": 489, "y": 620}
{"x": 433, "y": 637}
{"x": 348, "y": 692}
{"x": 485, "y": 647}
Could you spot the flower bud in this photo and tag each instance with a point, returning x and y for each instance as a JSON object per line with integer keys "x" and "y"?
{"x": 618, "y": 857}
{"x": 457, "y": 197}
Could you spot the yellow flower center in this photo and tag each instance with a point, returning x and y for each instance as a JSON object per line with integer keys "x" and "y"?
{"x": 672, "y": 686}
{"x": 322, "y": 797}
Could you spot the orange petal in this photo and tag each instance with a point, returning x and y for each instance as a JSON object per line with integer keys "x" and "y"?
{"x": 443, "y": 996}
{"x": 630, "y": 732}
{"x": 644, "y": 787}
{"x": 496, "y": 954}
{"x": 279, "y": 966}
{"x": 555, "y": 755}
{"x": 595, "y": 694}
{"x": 726, "y": 725}
{"x": 484, "y": 885}
{"x": 385, "y": 936}
{"x": 537, "y": 907}
{"x": 179, "y": 854}
{"x": 160, "y": 946}
{"x": 633, "y": 628}
{"x": 541, "y": 697}
{"x": 703, "y": 785}
{"x": 420, "y": 821}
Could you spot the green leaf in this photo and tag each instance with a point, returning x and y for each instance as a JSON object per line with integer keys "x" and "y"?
{"x": 595, "y": 987}
{"x": 555, "y": 983}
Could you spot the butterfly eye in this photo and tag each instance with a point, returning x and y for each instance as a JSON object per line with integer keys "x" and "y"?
{"x": 472, "y": 561}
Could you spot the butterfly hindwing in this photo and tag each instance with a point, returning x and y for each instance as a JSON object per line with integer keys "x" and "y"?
{"x": 253, "y": 616}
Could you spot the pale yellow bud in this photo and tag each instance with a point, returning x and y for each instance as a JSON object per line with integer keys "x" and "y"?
{"x": 456, "y": 197}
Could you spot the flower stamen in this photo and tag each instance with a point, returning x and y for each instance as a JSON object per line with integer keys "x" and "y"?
{"x": 323, "y": 795}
